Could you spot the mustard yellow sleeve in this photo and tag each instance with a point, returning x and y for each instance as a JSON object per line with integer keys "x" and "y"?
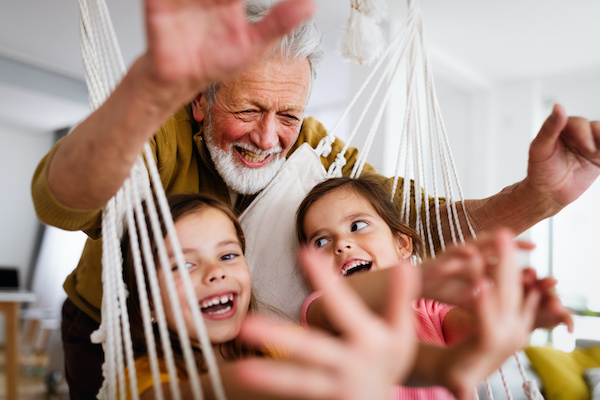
{"x": 51, "y": 212}
{"x": 143, "y": 374}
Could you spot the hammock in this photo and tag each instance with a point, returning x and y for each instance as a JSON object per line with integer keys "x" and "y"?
{"x": 423, "y": 133}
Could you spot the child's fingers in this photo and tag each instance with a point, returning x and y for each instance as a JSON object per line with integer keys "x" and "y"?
{"x": 504, "y": 272}
{"x": 531, "y": 305}
{"x": 404, "y": 287}
{"x": 291, "y": 342}
{"x": 524, "y": 244}
{"x": 451, "y": 277}
{"x": 286, "y": 380}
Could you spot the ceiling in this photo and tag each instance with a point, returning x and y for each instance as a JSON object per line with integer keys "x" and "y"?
{"x": 488, "y": 41}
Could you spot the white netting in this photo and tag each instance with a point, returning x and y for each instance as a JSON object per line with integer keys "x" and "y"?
{"x": 104, "y": 67}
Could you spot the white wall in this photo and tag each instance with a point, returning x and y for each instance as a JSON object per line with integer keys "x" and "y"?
{"x": 20, "y": 153}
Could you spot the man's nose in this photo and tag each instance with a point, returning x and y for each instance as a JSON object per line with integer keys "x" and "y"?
{"x": 267, "y": 137}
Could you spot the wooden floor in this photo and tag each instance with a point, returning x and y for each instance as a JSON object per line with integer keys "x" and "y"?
{"x": 32, "y": 379}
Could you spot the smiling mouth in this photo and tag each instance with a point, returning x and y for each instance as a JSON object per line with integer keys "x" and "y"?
{"x": 217, "y": 305}
{"x": 251, "y": 156}
{"x": 356, "y": 267}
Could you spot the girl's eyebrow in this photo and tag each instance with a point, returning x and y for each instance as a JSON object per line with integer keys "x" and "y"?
{"x": 227, "y": 242}
{"x": 315, "y": 234}
{"x": 192, "y": 250}
{"x": 358, "y": 215}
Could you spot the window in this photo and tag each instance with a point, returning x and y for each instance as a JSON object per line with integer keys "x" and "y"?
{"x": 573, "y": 238}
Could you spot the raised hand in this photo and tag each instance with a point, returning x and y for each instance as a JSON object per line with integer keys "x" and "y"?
{"x": 564, "y": 158}
{"x": 551, "y": 311}
{"x": 369, "y": 356}
{"x": 201, "y": 41}
{"x": 454, "y": 275}
{"x": 503, "y": 317}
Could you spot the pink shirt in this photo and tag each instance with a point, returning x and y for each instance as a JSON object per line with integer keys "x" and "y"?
{"x": 430, "y": 321}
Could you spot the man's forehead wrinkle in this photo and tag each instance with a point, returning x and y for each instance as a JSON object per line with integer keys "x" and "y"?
{"x": 282, "y": 97}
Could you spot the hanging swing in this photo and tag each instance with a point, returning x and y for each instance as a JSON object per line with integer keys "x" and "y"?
{"x": 423, "y": 136}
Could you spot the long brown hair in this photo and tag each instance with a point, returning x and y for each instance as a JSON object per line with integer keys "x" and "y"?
{"x": 181, "y": 205}
{"x": 371, "y": 188}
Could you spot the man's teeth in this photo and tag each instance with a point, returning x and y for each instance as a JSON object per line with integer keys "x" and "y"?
{"x": 252, "y": 156}
{"x": 217, "y": 300}
{"x": 355, "y": 266}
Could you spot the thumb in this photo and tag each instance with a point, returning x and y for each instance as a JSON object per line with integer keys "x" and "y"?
{"x": 546, "y": 139}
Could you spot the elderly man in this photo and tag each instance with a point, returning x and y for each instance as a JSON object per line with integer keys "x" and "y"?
{"x": 246, "y": 116}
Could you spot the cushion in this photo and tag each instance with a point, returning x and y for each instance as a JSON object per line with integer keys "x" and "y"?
{"x": 561, "y": 373}
{"x": 270, "y": 229}
{"x": 592, "y": 377}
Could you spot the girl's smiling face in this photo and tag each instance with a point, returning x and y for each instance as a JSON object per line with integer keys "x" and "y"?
{"x": 344, "y": 226}
{"x": 218, "y": 270}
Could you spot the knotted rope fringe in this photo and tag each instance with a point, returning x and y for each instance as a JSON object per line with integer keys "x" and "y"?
{"x": 416, "y": 135}
{"x": 104, "y": 67}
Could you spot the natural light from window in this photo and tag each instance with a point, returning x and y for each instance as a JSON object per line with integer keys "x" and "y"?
{"x": 574, "y": 235}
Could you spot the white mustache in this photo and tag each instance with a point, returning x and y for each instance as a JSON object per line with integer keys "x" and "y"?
{"x": 256, "y": 150}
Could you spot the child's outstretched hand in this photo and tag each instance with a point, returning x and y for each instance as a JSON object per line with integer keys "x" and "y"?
{"x": 370, "y": 355}
{"x": 452, "y": 277}
{"x": 503, "y": 317}
{"x": 551, "y": 311}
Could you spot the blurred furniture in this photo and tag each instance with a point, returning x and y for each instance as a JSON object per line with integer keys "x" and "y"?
{"x": 10, "y": 305}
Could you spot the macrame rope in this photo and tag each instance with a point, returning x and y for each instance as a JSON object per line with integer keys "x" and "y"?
{"x": 529, "y": 386}
{"x": 422, "y": 128}
{"x": 142, "y": 292}
{"x": 104, "y": 67}
{"x": 188, "y": 287}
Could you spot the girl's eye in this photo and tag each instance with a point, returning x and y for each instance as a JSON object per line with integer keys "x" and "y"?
{"x": 188, "y": 265}
{"x": 357, "y": 225}
{"x": 229, "y": 256}
{"x": 320, "y": 242}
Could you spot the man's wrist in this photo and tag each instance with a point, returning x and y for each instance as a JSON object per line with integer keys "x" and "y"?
{"x": 163, "y": 97}
{"x": 518, "y": 207}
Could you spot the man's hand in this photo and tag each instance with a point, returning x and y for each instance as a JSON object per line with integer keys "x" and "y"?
{"x": 564, "y": 158}
{"x": 198, "y": 42}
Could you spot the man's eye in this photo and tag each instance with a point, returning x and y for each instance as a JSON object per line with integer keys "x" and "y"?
{"x": 357, "y": 225}
{"x": 320, "y": 242}
{"x": 229, "y": 256}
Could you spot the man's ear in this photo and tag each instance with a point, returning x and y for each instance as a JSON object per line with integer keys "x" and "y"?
{"x": 199, "y": 107}
{"x": 405, "y": 245}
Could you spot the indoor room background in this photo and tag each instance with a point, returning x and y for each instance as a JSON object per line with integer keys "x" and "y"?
{"x": 499, "y": 67}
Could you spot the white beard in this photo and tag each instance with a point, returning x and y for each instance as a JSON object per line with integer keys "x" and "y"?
{"x": 237, "y": 176}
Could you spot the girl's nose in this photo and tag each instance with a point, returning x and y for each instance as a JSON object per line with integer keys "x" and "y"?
{"x": 214, "y": 274}
{"x": 342, "y": 246}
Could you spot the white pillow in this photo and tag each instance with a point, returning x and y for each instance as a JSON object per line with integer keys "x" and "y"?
{"x": 271, "y": 243}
